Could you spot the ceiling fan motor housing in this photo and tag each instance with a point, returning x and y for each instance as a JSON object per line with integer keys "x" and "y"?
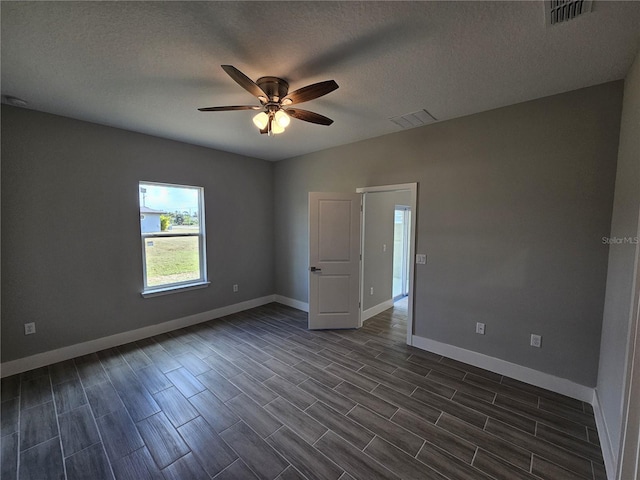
{"x": 275, "y": 88}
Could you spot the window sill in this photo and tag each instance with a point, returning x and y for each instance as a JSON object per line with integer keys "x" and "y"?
{"x": 175, "y": 289}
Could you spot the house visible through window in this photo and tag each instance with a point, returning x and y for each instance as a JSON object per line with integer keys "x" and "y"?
{"x": 172, "y": 234}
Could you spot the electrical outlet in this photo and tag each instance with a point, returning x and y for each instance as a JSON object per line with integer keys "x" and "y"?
{"x": 421, "y": 259}
{"x": 480, "y": 328}
{"x": 29, "y": 328}
{"x": 235, "y": 287}
{"x": 536, "y": 340}
{"x": 371, "y": 291}
{"x": 384, "y": 247}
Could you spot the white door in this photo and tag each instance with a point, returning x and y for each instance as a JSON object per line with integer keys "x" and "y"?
{"x": 334, "y": 260}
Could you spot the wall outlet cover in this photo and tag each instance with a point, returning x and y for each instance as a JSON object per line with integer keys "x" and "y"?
{"x": 536, "y": 340}
{"x": 421, "y": 258}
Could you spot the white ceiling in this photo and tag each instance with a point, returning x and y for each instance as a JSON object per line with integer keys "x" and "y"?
{"x": 147, "y": 66}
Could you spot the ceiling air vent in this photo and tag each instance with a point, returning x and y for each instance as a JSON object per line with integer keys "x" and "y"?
{"x": 558, "y": 11}
{"x": 415, "y": 119}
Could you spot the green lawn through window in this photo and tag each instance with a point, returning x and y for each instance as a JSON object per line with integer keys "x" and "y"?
{"x": 172, "y": 260}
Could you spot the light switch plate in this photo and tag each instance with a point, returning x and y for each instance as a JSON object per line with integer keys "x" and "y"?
{"x": 421, "y": 258}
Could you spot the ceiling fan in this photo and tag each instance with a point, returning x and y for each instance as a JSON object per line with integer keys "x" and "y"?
{"x": 273, "y": 94}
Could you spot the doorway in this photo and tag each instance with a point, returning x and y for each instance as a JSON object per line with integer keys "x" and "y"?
{"x": 405, "y": 195}
{"x": 337, "y": 298}
{"x": 401, "y": 239}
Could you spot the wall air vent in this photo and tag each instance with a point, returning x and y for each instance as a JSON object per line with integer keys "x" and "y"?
{"x": 415, "y": 119}
{"x": 558, "y": 11}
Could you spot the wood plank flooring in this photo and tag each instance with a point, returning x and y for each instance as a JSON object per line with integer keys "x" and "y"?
{"x": 255, "y": 395}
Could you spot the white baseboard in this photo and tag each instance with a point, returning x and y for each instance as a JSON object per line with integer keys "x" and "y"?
{"x": 502, "y": 367}
{"x": 292, "y": 303}
{"x": 305, "y": 306}
{"x": 373, "y": 311}
{"x": 65, "y": 353}
{"x": 610, "y": 459}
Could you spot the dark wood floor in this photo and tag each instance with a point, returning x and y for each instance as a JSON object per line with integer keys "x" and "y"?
{"x": 256, "y": 395}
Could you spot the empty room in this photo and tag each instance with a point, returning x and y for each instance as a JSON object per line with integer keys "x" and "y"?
{"x": 320, "y": 240}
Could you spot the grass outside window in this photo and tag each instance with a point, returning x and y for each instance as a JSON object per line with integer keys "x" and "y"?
{"x": 172, "y": 260}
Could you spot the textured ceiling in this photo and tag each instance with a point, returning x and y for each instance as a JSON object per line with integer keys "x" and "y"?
{"x": 147, "y": 66}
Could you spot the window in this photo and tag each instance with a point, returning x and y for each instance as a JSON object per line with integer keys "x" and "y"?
{"x": 173, "y": 238}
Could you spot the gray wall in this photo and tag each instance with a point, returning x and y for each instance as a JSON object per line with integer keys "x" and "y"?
{"x": 512, "y": 207}
{"x": 379, "y": 231}
{"x": 620, "y": 275}
{"x": 71, "y": 257}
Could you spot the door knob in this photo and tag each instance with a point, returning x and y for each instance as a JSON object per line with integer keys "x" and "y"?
{"x": 314, "y": 269}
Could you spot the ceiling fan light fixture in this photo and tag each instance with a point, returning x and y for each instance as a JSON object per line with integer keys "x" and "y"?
{"x": 261, "y": 120}
{"x": 282, "y": 119}
{"x": 276, "y": 128}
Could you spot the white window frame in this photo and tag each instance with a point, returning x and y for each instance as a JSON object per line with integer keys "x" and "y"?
{"x": 202, "y": 282}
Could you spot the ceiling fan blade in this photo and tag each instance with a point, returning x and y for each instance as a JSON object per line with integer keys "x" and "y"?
{"x": 244, "y": 81}
{"x": 310, "y": 92}
{"x": 308, "y": 116}
{"x": 230, "y": 108}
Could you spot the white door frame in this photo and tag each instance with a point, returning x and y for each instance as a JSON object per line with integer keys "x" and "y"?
{"x": 412, "y": 188}
{"x": 629, "y": 458}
